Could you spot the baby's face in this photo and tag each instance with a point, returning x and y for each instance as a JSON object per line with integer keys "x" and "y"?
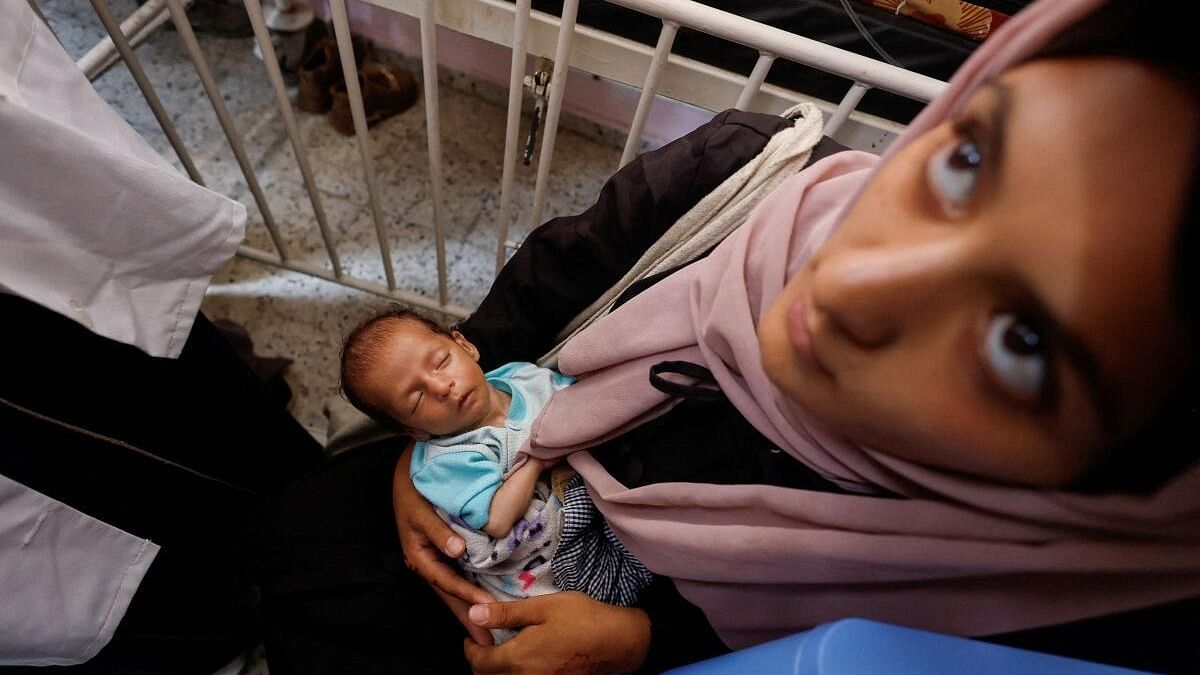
{"x": 428, "y": 382}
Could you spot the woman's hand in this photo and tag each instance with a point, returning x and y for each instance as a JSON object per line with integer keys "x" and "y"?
{"x": 425, "y": 538}
{"x": 561, "y": 633}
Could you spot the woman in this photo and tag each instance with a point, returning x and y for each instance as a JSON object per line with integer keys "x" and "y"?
{"x": 973, "y": 440}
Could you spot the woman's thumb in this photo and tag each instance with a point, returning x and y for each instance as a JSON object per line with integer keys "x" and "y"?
{"x": 504, "y": 614}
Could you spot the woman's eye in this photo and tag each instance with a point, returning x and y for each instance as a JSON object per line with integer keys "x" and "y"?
{"x": 445, "y": 360}
{"x": 1015, "y": 352}
{"x": 952, "y": 173}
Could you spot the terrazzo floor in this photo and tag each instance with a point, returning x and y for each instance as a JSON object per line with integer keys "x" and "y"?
{"x": 302, "y": 317}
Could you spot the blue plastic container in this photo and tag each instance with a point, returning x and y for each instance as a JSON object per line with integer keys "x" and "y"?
{"x": 861, "y": 647}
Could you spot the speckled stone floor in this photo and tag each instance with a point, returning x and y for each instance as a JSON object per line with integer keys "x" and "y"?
{"x": 302, "y": 317}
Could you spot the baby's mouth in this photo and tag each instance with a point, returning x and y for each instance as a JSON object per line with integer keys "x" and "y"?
{"x": 462, "y": 401}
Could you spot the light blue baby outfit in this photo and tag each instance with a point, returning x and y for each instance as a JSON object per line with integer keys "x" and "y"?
{"x": 460, "y": 474}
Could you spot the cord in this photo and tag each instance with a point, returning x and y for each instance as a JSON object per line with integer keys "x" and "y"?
{"x": 870, "y": 40}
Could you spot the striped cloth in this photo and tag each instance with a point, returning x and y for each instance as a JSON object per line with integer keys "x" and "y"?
{"x": 590, "y": 558}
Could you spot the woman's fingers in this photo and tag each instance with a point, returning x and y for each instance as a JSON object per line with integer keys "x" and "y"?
{"x": 426, "y": 562}
{"x": 504, "y": 658}
{"x": 425, "y": 558}
{"x": 488, "y": 660}
{"x": 427, "y": 523}
{"x": 565, "y": 633}
{"x": 425, "y": 538}
{"x": 459, "y": 608}
{"x": 517, "y": 614}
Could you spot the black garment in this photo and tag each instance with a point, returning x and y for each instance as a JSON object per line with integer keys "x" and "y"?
{"x": 570, "y": 261}
{"x": 205, "y": 411}
{"x": 335, "y": 594}
{"x": 1160, "y": 639}
{"x": 704, "y": 442}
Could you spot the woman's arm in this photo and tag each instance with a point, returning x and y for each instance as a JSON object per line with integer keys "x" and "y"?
{"x": 561, "y": 633}
{"x": 512, "y": 498}
{"x": 425, "y": 538}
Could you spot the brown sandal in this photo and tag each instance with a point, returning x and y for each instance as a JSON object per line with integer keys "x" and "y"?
{"x": 386, "y": 91}
{"x": 319, "y": 71}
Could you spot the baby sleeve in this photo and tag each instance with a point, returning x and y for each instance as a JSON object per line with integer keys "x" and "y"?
{"x": 460, "y": 481}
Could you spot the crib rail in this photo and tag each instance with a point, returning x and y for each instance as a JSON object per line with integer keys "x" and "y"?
{"x": 526, "y": 32}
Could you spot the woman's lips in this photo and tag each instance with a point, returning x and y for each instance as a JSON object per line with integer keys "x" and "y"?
{"x": 801, "y": 336}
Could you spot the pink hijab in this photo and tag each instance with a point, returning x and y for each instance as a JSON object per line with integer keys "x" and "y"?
{"x": 957, "y": 555}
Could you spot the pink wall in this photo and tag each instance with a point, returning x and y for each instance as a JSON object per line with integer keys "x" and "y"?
{"x": 594, "y": 99}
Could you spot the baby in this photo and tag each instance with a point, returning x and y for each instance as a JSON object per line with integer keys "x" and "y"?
{"x": 409, "y": 373}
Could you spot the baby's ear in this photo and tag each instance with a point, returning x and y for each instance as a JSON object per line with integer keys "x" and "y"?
{"x": 463, "y": 342}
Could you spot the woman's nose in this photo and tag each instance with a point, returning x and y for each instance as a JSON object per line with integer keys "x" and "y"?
{"x": 870, "y": 294}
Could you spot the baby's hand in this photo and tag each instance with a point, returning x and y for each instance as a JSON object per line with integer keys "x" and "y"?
{"x": 530, "y": 462}
{"x": 544, "y": 464}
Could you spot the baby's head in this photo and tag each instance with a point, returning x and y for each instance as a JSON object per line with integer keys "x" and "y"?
{"x": 407, "y": 372}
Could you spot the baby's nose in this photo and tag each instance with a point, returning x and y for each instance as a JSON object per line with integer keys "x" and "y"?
{"x": 442, "y": 386}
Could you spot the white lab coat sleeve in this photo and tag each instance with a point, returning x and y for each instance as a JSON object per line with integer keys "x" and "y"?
{"x": 94, "y": 224}
{"x": 67, "y": 579}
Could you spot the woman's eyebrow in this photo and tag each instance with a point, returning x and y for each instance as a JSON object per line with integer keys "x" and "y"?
{"x": 1099, "y": 389}
{"x": 998, "y": 116}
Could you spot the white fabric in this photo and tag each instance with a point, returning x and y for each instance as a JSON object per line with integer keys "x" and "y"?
{"x": 66, "y": 579}
{"x": 94, "y": 224}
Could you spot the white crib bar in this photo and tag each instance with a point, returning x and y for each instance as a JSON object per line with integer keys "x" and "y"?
{"x": 139, "y": 76}
{"x": 341, "y": 29}
{"x": 399, "y": 295}
{"x": 516, "y": 76}
{"x": 662, "y": 51}
{"x": 136, "y": 27}
{"x": 254, "y": 10}
{"x": 184, "y": 28}
{"x": 789, "y": 46}
{"x": 434, "y": 129}
{"x": 757, "y": 76}
{"x": 847, "y": 105}
{"x": 558, "y": 84}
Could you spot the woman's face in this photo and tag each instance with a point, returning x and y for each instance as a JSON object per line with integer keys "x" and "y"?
{"x": 998, "y": 301}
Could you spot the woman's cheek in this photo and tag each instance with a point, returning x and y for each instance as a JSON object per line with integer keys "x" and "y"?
{"x": 775, "y": 348}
